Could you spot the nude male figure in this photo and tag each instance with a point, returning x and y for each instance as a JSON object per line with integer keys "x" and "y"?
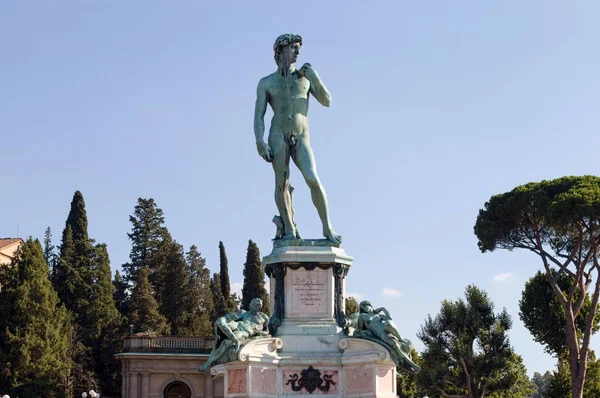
{"x": 231, "y": 328}
{"x": 287, "y": 91}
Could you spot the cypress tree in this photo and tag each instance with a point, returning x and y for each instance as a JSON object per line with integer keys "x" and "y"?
{"x": 78, "y": 221}
{"x": 67, "y": 282}
{"x": 224, "y": 276}
{"x": 121, "y": 294}
{"x": 82, "y": 280}
{"x": 147, "y": 233}
{"x": 73, "y": 277}
{"x": 63, "y": 273}
{"x": 144, "y": 312}
{"x": 217, "y": 295}
{"x": 35, "y": 331}
{"x": 254, "y": 279}
{"x": 104, "y": 325}
{"x": 49, "y": 253}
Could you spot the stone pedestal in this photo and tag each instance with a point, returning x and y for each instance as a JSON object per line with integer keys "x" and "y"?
{"x": 309, "y": 352}
{"x": 307, "y": 289}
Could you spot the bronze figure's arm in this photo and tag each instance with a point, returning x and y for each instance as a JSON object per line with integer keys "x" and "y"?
{"x": 260, "y": 109}
{"x": 317, "y": 87}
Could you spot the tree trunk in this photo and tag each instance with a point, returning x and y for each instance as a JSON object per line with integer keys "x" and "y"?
{"x": 577, "y": 358}
{"x": 577, "y": 385}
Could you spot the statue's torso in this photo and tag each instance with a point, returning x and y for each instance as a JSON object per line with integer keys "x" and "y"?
{"x": 288, "y": 97}
{"x": 251, "y": 323}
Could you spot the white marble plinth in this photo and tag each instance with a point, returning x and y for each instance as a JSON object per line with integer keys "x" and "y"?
{"x": 358, "y": 368}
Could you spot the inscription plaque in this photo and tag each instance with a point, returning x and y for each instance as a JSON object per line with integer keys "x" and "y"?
{"x": 309, "y": 291}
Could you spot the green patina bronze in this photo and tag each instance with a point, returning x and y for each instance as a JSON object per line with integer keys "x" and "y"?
{"x": 287, "y": 91}
{"x": 377, "y": 325}
{"x": 234, "y": 330}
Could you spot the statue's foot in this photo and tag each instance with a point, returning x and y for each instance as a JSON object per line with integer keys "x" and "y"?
{"x": 297, "y": 233}
{"x": 203, "y": 368}
{"x": 331, "y": 235}
{"x": 289, "y": 236}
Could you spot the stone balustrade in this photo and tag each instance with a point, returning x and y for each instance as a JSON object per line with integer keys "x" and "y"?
{"x": 168, "y": 344}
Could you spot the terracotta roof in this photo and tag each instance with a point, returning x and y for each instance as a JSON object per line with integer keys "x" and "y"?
{"x": 8, "y": 241}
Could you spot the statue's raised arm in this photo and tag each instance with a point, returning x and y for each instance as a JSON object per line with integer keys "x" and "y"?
{"x": 317, "y": 88}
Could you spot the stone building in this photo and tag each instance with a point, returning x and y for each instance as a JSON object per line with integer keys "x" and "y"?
{"x": 157, "y": 367}
{"x": 8, "y": 249}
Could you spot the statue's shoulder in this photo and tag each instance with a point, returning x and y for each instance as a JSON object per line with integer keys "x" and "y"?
{"x": 267, "y": 80}
{"x": 232, "y": 316}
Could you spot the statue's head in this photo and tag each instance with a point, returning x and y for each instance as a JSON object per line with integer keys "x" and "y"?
{"x": 256, "y": 305}
{"x": 287, "y": 48}
{"x": 366, "y": 307}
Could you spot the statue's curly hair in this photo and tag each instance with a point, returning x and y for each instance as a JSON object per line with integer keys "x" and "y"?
{"x": 364, "y": 303}
{"x": 257, "y": 301}
{"x": 285, "y": 40}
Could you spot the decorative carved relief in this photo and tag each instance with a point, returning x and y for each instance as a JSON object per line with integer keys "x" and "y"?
{"x": 310, "y": 379}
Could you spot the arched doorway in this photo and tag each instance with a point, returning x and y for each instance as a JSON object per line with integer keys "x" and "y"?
{"x": 177, "y": 389}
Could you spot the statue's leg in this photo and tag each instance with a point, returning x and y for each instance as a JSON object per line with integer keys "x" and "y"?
{"x": 216, "y": 354}
{"x": 304, "y": 159}
{"x": 223, "y": 325}
{"x": 281, "y": 167}
{"x": 390, "y": 327}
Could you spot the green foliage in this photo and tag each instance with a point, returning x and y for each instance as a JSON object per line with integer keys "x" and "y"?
{"x": 467, "y": 350}
{"x": 171, "y": 283}
{"x": 544, "y": 316}
{"x": 121, "y": 295}
{"x": 351, "y": 306}
{"x": 199, "y": 301}
{"x": 49, "y": 250}
{"x": 144, "y": 312}
{"x": 71, "y": 275}
{"x": 182, "y": 289}
{"x": 558, "y": 383}
{"x": 35, "y": 331}
{"x": 521, "y": 387}
{"x": 230, "y": 300}
{"x": 147, "y": 233}
{"x": 73, "y": 278}
{"x": 407, "y": 384}
{"x": 77, "y": 219}
{"x": 82, "y": 279}
{"x": 103, "y": 324}
{"x": 558, "y": 220}
{"x": 219, "y": 308}
{"x": 548, "y": 210}
{"x": 542, "y": 384}
{"x": 254, "y": 279}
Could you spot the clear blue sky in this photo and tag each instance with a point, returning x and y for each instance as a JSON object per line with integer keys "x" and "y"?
{"x": 436, "y": 107}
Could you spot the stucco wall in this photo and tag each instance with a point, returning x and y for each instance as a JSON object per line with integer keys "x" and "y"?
{"x": 146, "y": 375}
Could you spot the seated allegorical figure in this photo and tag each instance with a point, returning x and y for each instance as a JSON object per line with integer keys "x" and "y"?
{"x": 377, "y": 325}
{"x": 231, "y": 331}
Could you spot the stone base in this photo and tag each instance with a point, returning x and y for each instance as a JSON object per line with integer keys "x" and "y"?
{"x": 313, "y": 355}
{"x": 358, "y": 368}
{"x": 307, "y": 287}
